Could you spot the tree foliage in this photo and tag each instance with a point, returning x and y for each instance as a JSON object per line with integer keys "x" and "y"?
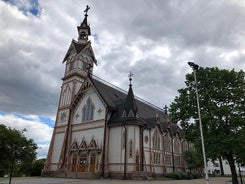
{"x": 37, "y": 167}
{"x": 222, "y": 104}
{"x": 192, "y": 159}
{"x": 16, "y": 150}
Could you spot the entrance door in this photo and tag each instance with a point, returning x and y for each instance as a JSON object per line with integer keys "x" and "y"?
{"x": 92, "y": 164}
{"x": 83, "y": 164}
{"x": 74, "y": 163}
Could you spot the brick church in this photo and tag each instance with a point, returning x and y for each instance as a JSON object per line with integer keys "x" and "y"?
{"x": 103, "y": 131}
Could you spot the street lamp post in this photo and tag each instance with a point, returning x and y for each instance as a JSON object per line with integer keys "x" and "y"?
{"x": 195, "y": 68}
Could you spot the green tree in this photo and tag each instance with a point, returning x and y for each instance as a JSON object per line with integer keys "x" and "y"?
{"x": 241, "y": 150}
{"x": 222, "y": 104}
{"x": 192, "y": 159}
{"x": 37, "y": 167}
{"x": 15, "y": 149}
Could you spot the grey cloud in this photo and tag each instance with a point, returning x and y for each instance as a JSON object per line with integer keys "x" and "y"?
{"x": 31, "y": 49}
{"x": 191, "y": 23}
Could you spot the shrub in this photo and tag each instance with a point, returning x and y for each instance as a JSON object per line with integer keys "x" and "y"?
{"x": 174, "y": 175}
{"x": 37, "y": 167}
{"x": 179, "y": 175}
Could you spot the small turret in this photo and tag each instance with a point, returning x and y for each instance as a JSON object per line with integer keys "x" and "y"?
{"x": 84, "y": 28}
{"x": 130, "y": 107}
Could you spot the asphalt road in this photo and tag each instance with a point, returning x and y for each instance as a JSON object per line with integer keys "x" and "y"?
{"x": 42, "y": 180}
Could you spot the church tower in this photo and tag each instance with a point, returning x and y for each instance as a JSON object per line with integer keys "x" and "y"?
{"x": 79, "y": 61}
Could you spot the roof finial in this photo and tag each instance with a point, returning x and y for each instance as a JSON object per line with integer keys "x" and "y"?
{"x": 130, "y": 78}
{"x": 86, "y": 11}
{"x": 165, "y": 108}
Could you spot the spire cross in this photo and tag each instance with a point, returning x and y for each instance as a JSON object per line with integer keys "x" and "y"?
{"x": 86, "y": 10}
{"x": 130, "y": 77}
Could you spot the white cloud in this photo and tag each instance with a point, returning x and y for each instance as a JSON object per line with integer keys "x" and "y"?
{"x": 42, "y": 150}
{"x": 36, "y": 130}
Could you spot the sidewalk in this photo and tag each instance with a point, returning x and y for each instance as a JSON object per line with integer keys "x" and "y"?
{"x": 42, "y": 180}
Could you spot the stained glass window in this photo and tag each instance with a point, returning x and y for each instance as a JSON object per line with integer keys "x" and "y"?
{"x": 88, "y": 110}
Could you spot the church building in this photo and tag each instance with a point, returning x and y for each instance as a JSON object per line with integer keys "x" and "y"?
{"x": 103, "y": 131}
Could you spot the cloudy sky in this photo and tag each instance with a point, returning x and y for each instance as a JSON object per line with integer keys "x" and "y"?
{"x": 153, "y": 39}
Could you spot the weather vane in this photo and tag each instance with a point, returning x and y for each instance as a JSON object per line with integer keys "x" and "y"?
{"x": 130, "y": 77}
{"x": 86, "y": 10}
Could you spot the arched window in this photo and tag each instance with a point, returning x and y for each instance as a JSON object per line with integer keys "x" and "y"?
{"x": 88, "y": 110}
{"x": 156, "y": 148}
{"x": 177, "y": 145}
{"x": 156, "y": 140}
{"x": 66, "y": 96}
{"x": 167, "y": 143}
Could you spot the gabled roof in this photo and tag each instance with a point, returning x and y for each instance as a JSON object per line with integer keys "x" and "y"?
{"x": 74, "y": 45}
{"x": 115, "y": 100}
{"x": 111, "y": 96}
{"x": 79, "y": 47}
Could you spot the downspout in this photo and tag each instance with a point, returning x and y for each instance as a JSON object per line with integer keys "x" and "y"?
{"x": 104, "y": 145}
{"x": 142, "y": 149}
{"x": 172, "y": 145}
{"x": 125, "y": 154}
{"x": 150, "y": 151}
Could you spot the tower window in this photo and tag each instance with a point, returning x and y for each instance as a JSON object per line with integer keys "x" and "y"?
{"x": 88, "y": 110}
{"x": 71, "y": 65}
{"x": 83, "y": 35}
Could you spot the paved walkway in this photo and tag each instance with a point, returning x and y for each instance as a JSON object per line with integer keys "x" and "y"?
{"x": 42, "y": 180}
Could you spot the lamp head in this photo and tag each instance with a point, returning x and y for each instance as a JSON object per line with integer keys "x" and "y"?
{"x": 193, "y": 66}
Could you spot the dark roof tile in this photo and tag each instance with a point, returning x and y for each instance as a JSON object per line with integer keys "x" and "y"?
{"x": 115, "y": 99}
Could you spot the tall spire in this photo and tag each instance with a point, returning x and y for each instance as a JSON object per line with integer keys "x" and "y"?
{"x": 84, "y": 28}
{"x": 130, "y": 105}
{"x": 130, "y": 78}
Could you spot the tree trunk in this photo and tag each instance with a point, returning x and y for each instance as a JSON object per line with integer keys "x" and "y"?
{"x": 221, "y": 166}
{"x": 11, "y": 171}
{"x": 231, "y": 161}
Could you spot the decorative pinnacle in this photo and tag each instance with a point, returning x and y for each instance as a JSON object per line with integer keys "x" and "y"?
{"x": 165, "y": 108}
{"x": 89, "y": 69}
{"x": 86, "y": 11}
{"x": 130, "y": 78}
